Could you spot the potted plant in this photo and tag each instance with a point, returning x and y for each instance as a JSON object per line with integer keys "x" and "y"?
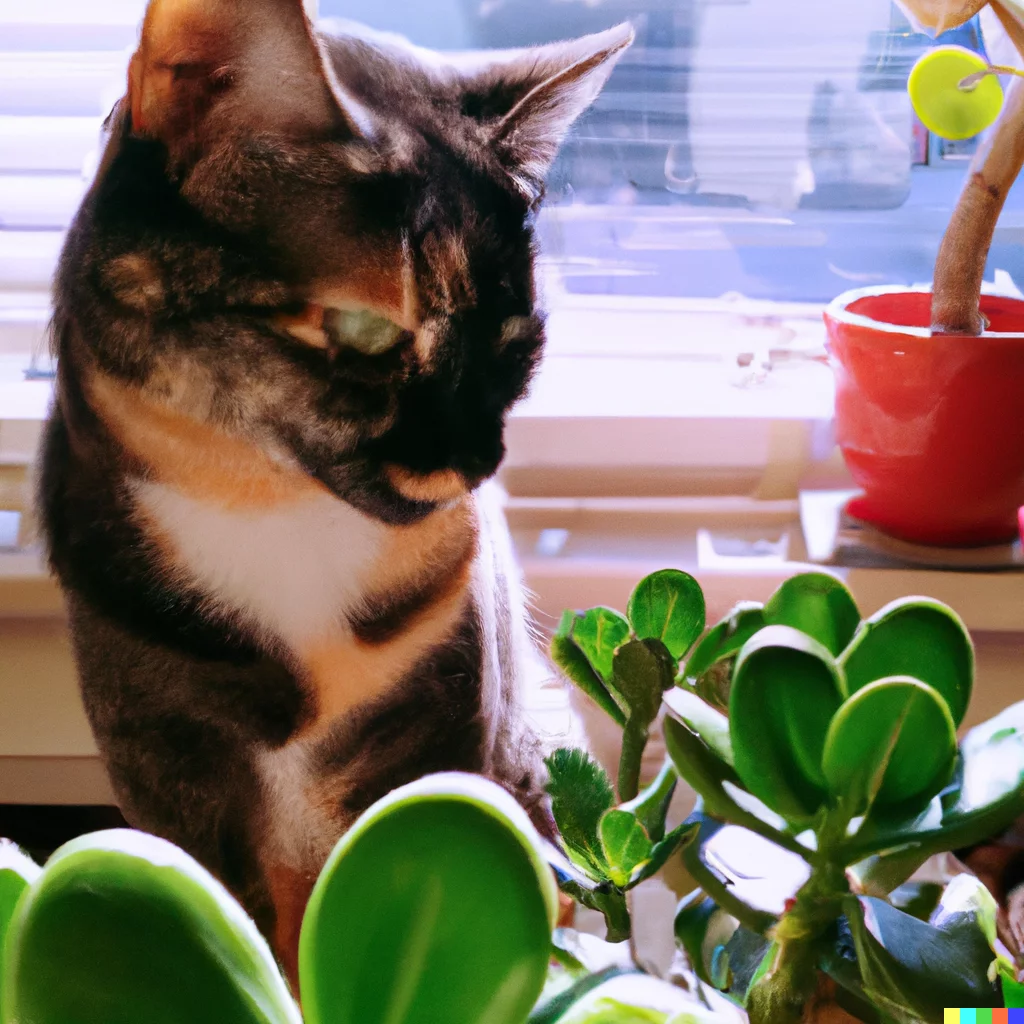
{"x": 927, "y": 409}
{"x": 438, "y": 905}
{"x": 823, "y": 751}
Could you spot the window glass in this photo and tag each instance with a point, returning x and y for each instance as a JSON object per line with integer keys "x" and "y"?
{"x": 760, "y": 147}
{"x": 756, "y": 148}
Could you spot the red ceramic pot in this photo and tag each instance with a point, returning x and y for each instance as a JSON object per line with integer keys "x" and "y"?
{"x": 931, "y": 428}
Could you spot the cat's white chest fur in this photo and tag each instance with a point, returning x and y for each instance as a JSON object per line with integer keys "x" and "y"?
{"x": 292, "y": 571}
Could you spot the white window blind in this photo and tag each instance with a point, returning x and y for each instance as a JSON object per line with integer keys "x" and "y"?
{"x": 62, "y": 67}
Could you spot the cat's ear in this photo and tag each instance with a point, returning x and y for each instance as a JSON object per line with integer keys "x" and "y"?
{"x": 205, "y": 65}
{"x": 534, "y": 95}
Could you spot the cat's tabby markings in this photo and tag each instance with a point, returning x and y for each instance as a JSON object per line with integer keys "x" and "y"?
{"x": 288, "y": 590}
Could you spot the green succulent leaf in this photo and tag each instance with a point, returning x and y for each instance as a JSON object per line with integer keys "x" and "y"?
{"x": 410, "y": 948}
{"x": 707, "y": 669}
{"x": 663, "y": 850}
{"x": 651, "y": 805}
{"x": 817, "y": 604}
{"x": 701, "y": 927}
{"x": 1013, "y": 992}
{"x": 625, "y": 843}
{"x": 786, "y": 689}
{"x": 704, "y": 720}
{"x": 914, "y": 637}
{"x": 985, "y": 797}
{"x": 719, "y": 787}
{"x": 580, "y": 795}
{"x": 642, "y": 670}
{"x": 881, "y": 873}
{"x": 725, "y": 638}
{"x": 17, "y": 872}
{"x": 750, "y": 956}
{"x": 642, "y": 999}
{"x": 123, "y": 927}
{"x": 911, "y": 970}
{"x": 598, "y": 633}
{"x": 668, "y": 606}
{"x": 568, "y": 656}
{"x": 553, "y": 1010}
{"x": 891, "y": 745}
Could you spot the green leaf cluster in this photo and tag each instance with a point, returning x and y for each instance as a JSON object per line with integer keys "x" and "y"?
{"x": 831, "y": 740}
{"x": 437, "y": 905}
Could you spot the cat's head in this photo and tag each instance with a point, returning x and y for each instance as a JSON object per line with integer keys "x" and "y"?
{"x": 381, "y": 177}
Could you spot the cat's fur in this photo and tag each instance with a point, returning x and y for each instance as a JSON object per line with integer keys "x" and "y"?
{"x": 287, "y": 594}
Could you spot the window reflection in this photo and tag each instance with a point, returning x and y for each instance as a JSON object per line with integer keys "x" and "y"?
{"x": 765, "y": 147}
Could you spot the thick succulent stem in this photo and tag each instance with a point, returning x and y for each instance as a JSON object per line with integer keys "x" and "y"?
{"x": 634, "y": 742}
{"x": 960, "y": 265}
{"x": 782, "y": 993}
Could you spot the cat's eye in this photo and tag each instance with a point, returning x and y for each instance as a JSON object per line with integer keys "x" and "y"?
{"x": 363, "y": 330}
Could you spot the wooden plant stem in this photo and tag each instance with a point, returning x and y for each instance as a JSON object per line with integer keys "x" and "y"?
{"x": 960, "y": 266}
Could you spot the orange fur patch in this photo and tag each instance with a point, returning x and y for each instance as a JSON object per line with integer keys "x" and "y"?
{"x": 289, "y": 892}
{"x": 195, "y": 458}
{"x": 346, "y": 673}
{"x": 213, "y": 467}
{"x": 343, "y": 671}
{"x": 444, "y": 485}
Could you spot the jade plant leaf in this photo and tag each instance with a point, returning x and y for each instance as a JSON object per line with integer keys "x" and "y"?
{"x": 700, "y": 717}
{"x": 914, "y": 637}
{"x": 675, "y": 841}
{"x": 918, "y": 899}
{"x": 569, "y": 657}
{"x": 553, "y": 1010}
{"x": 985, "y": 797}
{"x": 17, "y": 872}
{"x": 651, "y": 805}
{"x": 642, "y": 999}
{"x": 717, "y": 784}
{"x": 702, "y": 927}
{"x": 456, "y": 925}
{"x": 817, "y": 604}
{"x": 720, "y": 645}
{"x": 122, "y": 927}
{"x": 642, "y": 670}
{"x": 668, "y": 606}
{"x": 892, "y": 744}
{"x": 598, "y": 633}
{"x": 786, "y": 688}
{"x": 580, "y": 795}
{"x": 911, "y": 970}
{"x": 625, "y": 843}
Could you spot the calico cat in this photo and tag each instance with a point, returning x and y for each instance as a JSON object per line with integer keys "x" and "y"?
{"x": 288, "y": 592}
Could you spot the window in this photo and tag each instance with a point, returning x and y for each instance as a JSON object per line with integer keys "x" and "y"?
{"x": 748, "y": 160}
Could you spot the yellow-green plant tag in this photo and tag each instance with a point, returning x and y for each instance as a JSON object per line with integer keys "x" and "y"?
{"x": 943, "y": 103}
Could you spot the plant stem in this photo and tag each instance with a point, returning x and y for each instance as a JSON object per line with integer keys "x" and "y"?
{"x": 651, "y": 806}
{"x": 781, "y": 993}
{"x": 634, "y": 740}
{"x": 960, "y": 265}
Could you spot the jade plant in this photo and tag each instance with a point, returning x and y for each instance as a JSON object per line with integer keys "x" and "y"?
{"x": 822, "y": 748}
{"x": 823, "y": 752}
{"x": 957, "y": 95}
{"x": 437, "y": 906}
